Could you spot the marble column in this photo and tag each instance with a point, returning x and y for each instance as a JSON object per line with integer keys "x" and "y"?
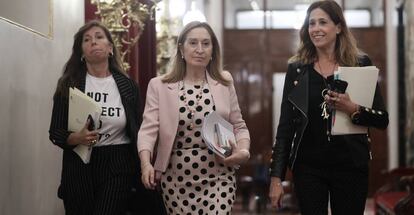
{"x": 409, "y": 77}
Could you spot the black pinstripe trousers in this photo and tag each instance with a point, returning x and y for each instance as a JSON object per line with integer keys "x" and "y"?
{"x": 345, "y": 189}
{"x": 101, "y": 187}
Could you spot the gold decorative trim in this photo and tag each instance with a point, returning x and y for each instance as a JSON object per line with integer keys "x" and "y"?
{"x": 122, "y": 16}
{"x": 49, "y": 35}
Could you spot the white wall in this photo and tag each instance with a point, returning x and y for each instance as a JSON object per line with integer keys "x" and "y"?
{"x": 409, "y": 77}
{"x": 392, "y": 83}
{"x": 213, "y": 11}
{"x": 29, "y": 67}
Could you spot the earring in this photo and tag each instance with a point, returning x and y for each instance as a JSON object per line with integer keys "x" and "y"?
{"x": 83, "y": 58}
{"x": 111, "y": 54}
{"x": 211, "y": 59}
{"x": 182, "y": 57}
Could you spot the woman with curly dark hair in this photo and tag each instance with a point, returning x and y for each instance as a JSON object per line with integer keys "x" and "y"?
{"x": 102, "y": 186}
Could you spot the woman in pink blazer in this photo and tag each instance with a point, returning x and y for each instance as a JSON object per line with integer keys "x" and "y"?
{"x": 190, "y": 175}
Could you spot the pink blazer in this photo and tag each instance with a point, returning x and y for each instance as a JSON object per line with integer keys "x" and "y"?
{"x": 161, "y": 116}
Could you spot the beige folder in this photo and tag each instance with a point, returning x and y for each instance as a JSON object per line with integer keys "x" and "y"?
{"x": 362, "y": 82}
{"x": 80, "y": 107}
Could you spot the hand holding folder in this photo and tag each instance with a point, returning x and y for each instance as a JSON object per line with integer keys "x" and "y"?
{"x": 81, "y": 108}
{"x": 362, "y": 82}
{"x": 217, "y": 134}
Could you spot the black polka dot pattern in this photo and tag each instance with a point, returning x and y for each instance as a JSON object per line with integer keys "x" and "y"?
{"x": 195, "y": 183}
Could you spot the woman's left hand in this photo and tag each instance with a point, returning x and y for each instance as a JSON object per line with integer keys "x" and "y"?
{"x": 340, "y": 101}
{"x": 237, "y": 156}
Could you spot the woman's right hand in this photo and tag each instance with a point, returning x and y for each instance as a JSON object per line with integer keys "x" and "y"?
{"x": 84, "y": 136}
{"x": 275, "y": 192}
{"x": 148, "y": 176}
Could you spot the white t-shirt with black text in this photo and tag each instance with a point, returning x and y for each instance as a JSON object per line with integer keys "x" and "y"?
{"x": 111, "y": 126}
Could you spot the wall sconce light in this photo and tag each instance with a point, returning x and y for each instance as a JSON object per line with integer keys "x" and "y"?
{"x": 125, "y": 20}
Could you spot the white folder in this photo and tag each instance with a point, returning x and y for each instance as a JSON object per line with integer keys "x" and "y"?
{"x": 362, "y": 82}
{"x": 212, "y": 136}
{"x": 80, "y": 107}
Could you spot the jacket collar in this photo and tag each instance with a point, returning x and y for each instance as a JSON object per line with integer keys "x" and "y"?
{"x": 210, "y": 80}
{"x": 173, "y": 85}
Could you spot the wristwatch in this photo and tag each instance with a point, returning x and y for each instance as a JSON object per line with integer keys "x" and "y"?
{"x": 356, "y": 116}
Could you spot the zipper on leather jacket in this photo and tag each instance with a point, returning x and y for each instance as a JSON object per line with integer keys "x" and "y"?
{"x": 301, "y": 133}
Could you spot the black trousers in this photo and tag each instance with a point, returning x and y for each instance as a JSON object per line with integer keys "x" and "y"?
{"x": 101, "y": 187}
{"x": 345, "y": 190}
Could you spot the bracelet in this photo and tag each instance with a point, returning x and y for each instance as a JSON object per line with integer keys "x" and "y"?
{"x": 245, "y": 151}
{"x": 355, "y": 112}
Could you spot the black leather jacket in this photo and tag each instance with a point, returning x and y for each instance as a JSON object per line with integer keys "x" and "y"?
{"x": 294, "y": 119}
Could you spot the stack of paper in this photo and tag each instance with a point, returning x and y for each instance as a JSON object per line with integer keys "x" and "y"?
{"x": 80, "y": 107}
{"x": 362, "y": 82}
{"x": 216, "y": 133}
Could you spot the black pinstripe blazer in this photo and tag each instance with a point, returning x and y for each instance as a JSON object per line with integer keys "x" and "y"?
{"x": 58, "y": 131}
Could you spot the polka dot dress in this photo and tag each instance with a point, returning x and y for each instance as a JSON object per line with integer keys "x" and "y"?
{"x": 194, "y": 183}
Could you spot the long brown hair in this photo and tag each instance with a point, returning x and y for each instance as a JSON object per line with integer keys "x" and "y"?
{"x": 75, "y": 68}
{"x": 346, "y": 50}
{"x": 178, "y": 64}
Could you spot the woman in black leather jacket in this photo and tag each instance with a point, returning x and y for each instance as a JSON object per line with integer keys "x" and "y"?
{"x": 326, "y": 168}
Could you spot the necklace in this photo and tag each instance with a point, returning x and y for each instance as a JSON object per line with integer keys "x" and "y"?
{"x": 326, "y": 109}
{"x": 187, "y": 106}
{"x": 321, "y": 70}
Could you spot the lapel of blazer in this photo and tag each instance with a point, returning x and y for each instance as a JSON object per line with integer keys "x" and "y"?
{"x": 127, "y": 97}
{"x": 173, "y": 93}
{"x": 81, "y": 84}
{"x": 173, "y": 102}
{"x": 299, "y": 94}
{"x": 125, "y": 90}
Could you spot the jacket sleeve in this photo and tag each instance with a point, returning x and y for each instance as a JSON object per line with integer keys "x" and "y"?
{"x": 138, "y": 106}
{"x": 148, "y": 133}
{"x": 135, "y": 109}
{"x": 58, "y": 131}
{"x": 285, "y": 130}
{"x": 377, "y": 116}
{"x": 236, "y": 119}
